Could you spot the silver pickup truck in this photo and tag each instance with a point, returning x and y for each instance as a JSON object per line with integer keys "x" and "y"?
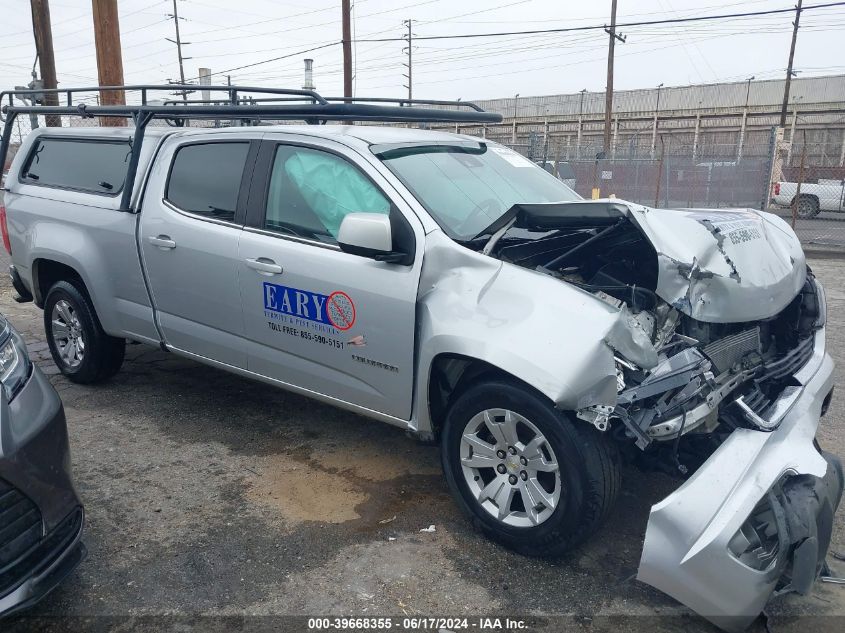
{"x": 446, "y": 285}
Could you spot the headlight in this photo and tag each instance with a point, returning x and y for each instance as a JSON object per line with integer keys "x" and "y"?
{"x": 757, "y": 542}
{"x": 14, "y": 364}
{"x": 822, "y": 300}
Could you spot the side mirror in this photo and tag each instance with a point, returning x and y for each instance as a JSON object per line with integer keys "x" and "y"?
{"x": 368, "y": 235}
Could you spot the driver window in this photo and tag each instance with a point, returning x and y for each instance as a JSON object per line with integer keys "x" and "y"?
{"x": 311, "y": 191}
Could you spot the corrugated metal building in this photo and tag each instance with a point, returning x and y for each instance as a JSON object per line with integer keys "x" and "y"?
{"x": 709, "y": 122}
{"x": 810, "y": 91}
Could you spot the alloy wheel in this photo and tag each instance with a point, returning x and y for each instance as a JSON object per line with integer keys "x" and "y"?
{"x": 66, "y": 330}
{"x": 510, "y": 468}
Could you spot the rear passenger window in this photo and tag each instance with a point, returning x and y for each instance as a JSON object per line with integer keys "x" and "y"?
{"x": 93, "y": 165}
{"x": 206, "y": 178}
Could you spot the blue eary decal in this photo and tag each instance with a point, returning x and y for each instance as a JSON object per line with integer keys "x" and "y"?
{"x": 336, "y": 310}
{"x": 295, "y": 302}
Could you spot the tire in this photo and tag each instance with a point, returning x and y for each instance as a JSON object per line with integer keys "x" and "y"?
{"x": 808, "y": 207}
{"x": 80, "y": 348}
{"x": 579, "y": 493}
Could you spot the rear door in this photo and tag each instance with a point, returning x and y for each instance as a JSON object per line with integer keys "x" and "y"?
{"x": 191, "y": 222}
{"x": 333, "y": 323}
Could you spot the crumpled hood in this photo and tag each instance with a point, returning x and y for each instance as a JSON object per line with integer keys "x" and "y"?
{"x": 723, "y": 266}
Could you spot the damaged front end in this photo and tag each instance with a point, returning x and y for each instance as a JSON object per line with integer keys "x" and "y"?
{"x": 721, "y": 377}
{"x": 755, "y": 518}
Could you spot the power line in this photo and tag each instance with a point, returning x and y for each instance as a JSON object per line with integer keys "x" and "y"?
{"x": 274, "y": 59}
{"x": 450, "y": 57}
{"x": 502, "y": 47}
{"x": 700, "y": 18}
{"x": 570, "y": 62}
{"x": 681, "y": 20}
{"x": 309, "y": 26}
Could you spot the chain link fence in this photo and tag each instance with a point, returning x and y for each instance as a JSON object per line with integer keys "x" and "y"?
{"x": 811, "y": 190}
{"x": 802, "y": 179}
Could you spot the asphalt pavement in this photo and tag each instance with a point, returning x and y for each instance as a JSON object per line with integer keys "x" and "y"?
{"x": 213, "y": 500}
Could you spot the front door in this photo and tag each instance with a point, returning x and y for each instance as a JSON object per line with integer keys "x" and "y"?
{"x": 191, "y": 222}
{"x": 333, "y": 323}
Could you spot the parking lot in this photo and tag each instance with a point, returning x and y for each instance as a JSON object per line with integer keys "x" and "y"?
{"x": 825, "y": 231}
{"x": 210, "y": 495}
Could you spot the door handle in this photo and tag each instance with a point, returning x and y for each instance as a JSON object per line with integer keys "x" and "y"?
{"x": 265, "y": 266}
{"x": 162, "y": 241}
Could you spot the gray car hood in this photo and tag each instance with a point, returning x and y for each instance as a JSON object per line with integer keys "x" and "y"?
{"x": 723, "y": 266}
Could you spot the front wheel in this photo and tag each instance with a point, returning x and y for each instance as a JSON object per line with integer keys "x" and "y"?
{"x": 527, "y": 475}
{"x": 80, "y": 348}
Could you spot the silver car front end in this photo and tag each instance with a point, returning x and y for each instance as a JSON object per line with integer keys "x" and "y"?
{"x": 756, "y": 518}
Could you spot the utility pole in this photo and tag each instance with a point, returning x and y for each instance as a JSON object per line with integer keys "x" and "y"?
{"x": 178, "y": 42}
{"x": 410, "y": 85}
{"x": 608, "y": 105}
{"x": 44, "y": 50}
{"x": 789, "y": 72}
{"x": 744, "y": 122}
{"x": 109, "y": 59}
{"x": 580, "y": 124}
{"x": 347, "y": 48}
{"x": 748, "y": 89}
{"x": 654, "y": 127}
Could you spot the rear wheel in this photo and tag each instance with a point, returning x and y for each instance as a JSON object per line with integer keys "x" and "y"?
{"x": 528, "y": 476}
{"x": 808, "y": 207}
{"x": 80, "y": 348}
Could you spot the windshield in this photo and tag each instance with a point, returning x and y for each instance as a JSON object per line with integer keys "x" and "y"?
{"x": 468, "y": 186}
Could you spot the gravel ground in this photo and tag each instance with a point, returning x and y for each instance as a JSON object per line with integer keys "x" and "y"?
{"x": 209, "y": 495}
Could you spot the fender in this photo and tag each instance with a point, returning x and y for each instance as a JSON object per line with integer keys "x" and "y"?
{"x": 63, "y": 244}
{"x": 111, "y": 272}
{"x": 554, "y": 337}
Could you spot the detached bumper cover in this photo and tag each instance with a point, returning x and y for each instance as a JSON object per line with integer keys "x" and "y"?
{"x": 693, "y": 535}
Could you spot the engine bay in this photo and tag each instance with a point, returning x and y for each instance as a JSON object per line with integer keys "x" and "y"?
{"x": 709, "y": 379}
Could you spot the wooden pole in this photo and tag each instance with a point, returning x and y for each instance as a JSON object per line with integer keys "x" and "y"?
{"x": 789, "y": 65}
{"x": 178, "y": 42}
{"x": 410, "y": 63}
{"x": 659, "y": 173}
{"x": 797, "y": 200}
{"x": 608, "y": 103}
{"x": 347, "y": 49}
{"x": 44, "y": 49}
{"x": 109, "y": 58}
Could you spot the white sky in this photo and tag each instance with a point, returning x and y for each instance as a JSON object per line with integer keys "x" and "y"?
{"x": 225, "y": 34}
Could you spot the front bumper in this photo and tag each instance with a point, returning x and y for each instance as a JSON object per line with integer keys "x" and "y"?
{"x": 35, "y": 466}
{"x": 690, "y": 548}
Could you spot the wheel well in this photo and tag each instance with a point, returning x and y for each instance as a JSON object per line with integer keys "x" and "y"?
{"x": 812, "y": 196}
{"x": 451, "y": 374}
{"x": 46, "y": 273}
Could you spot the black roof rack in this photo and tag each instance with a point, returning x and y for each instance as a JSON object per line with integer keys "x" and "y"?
{"x": 239, "y": 103}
